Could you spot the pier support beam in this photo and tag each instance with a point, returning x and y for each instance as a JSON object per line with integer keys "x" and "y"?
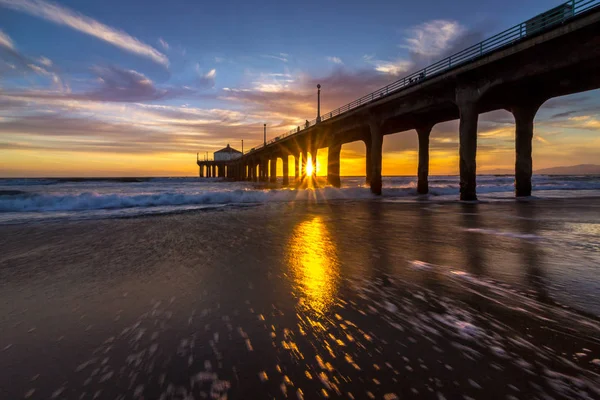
{"x": 376, "y": 157}
{"x": 304, "y": 162}
{"x": 524, "y": 115}
{"x": 273, "y": 170}
{"x": 368, "y": 161}
{"x": 285, "y": 167}
{"x": 423, "y": 133}
{"x": 333, "y": 165}
{"x": 468, "y": 149}
{"x": 297, "y": 166}
{"x": 313, "y": 161}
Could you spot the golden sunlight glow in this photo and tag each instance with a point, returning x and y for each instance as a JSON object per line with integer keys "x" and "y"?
{"x": 313, "y": 262}
{"x": 309, "y": 166}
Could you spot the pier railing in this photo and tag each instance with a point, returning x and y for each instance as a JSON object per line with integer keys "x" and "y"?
{"x": 510, "y": 36}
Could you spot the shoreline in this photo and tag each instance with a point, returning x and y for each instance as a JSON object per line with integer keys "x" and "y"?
{"x": 379, "y": 297}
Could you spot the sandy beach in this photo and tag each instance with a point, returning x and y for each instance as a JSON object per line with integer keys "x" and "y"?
{"x": 346, "y": 299}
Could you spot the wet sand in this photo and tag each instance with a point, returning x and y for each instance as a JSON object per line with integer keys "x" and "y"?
{"x": 363, "y": 299}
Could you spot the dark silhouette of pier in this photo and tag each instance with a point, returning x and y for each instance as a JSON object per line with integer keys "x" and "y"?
{"x": 553, "y": 54}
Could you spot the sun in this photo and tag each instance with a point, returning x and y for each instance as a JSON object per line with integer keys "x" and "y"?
{"x": 309, "y": 168}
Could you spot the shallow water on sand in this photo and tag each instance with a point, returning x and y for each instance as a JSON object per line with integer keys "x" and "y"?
{"x": 352, "y": 299}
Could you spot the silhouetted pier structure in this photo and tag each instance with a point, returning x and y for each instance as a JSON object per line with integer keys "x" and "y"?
{"x": 553, "y": 54}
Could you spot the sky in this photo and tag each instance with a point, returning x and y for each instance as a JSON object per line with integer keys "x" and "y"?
{"x": 137, "y": 88}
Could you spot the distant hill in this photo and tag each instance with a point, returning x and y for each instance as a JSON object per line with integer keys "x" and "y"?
{"x": 582, "y": 169}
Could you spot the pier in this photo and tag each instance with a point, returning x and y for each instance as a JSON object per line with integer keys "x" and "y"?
{"x": 553, "y": 54}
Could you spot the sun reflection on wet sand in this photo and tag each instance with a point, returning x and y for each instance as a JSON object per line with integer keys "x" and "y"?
{"x": 314, "y": 264}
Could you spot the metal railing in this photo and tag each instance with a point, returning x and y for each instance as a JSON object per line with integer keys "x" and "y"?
{"x": 533, "y": 26}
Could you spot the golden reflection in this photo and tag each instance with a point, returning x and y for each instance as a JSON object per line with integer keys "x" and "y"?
{"x": 313, "y": 261}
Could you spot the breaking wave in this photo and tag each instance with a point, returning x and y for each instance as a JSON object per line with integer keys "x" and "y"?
{"x": 95, "y": 201}
{"x": 72, "y": 195}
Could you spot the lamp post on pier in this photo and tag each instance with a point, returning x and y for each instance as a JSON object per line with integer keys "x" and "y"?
{"x": 265, "y": 134}
{"x": 242, "y": 146}
{"x": 318, "y": 103}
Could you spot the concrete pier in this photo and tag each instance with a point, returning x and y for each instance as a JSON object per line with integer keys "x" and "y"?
{"x": 333, "y": 165}
{"x": 376, "y": 157}
{"x": 285, "y": 167}
{"x": 297, "y": 166}
{"x": 368, "y": 167}
{"x": 303, "y": 164}
{"x": 423, "y": 133}
{"x": 468, "y": 150}
{"x": 524, "y": 69}
{"x": 273, "y": 170}
{"x": 524, "y": 115}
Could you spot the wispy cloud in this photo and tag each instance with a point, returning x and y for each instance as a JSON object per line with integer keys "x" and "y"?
{"x": 5, "y": 41}
{"x": 79, "y": 22}
{"x": 432, "y": 38}
{"x": 335, "y": 60}
{"x": 281, "y": 57}
{"x": 206, "y": 80}
{"x": 394, "y": 68}
{"x": 113, "y": 85}
{"x": 163, "y": 43}
{"x": 45, "y": 61}
{"x": 541, "y": 139}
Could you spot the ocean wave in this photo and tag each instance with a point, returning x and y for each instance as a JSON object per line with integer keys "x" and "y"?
{"x": 185, "y": 192}
{"x": 96, "y": 201}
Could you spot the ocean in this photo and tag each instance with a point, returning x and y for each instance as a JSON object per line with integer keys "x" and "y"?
{"x": 23, "y": 200}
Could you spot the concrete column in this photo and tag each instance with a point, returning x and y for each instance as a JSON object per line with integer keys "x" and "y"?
{"x": 297, "y": 166}
{"x": 333, "y": 165}
{"x": 368, "y": 161}
{"x": 265, "y": 170}
{"x": 200, "y": 171}
{"x": 376, "y": 155}
{"x": 468, "y": 150}
{"x": 273, "y": 169}
{"x": 285, "y": 166}
{"x": 303, "y": 165}
{"x": 423, "y": 133}
{"x": 313, "y": 157}
{"x": 524, "y": 115}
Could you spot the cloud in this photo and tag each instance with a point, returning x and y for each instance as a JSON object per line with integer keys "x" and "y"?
{"x": 38, "y": 70}
{"x": 63, "y": 16}
{"x": 432, "y": 38}
{"x": 208, "y": 79}
{"x": 163, "y": 43}
{"x": 114, "y": 85}
{"x": 219, "y": 59}
{"x": 541, "y": 139}
{"x": 393, "y": 67}
{"x": 45, "y": 61}
{"x": 335, "y": 60}
{"x": 5, "y": 41}
{"x": 281, "y": 57}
